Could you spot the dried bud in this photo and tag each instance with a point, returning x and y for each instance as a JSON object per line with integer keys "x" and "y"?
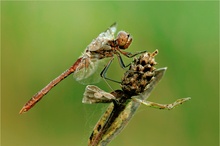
{"x": 140, "y": 74}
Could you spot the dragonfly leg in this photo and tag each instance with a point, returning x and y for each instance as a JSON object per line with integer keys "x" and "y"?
{"x": 103, "y": 73}
{"x": 163, "y": 106}
{"x": 129, "y": 54}
{"x": 121, "y": 62}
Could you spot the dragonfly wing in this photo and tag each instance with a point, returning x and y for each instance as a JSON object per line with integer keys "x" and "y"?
{"x": 102, "y": 40}
{"x": 93, "y": 94}
{"x": 85, "y": 69}
{"x": 88, "y": 71}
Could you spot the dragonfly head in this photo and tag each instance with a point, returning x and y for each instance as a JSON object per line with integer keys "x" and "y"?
{"x": 123, "y": 40}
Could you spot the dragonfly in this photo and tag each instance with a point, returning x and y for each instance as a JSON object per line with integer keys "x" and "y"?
{"x": 104, "y": 46}
{"x": 136, "y": 85}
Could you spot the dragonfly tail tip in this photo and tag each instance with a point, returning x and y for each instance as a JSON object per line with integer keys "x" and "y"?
{"x": 22, "y": 110}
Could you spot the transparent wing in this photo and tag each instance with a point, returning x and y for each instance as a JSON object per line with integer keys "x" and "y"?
{"x": 88, "y": 71}
{"x": 102, "y": 40}
{"x": 93, "y": 94}
{"x": 85, "y": 69}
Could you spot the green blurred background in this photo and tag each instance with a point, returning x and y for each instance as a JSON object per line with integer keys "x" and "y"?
{"x": 39, "y": 40}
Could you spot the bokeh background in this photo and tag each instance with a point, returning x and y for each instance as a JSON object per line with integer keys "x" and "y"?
{"x": 39, "y": 40}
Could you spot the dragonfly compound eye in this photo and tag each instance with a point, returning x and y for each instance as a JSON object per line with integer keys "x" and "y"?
{"x": 123, "y": 39}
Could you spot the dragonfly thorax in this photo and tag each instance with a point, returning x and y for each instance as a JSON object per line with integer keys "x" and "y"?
{"x": 101, "y": 53}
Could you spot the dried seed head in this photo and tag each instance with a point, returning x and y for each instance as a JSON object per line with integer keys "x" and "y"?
{"x": 140, "y": 74}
